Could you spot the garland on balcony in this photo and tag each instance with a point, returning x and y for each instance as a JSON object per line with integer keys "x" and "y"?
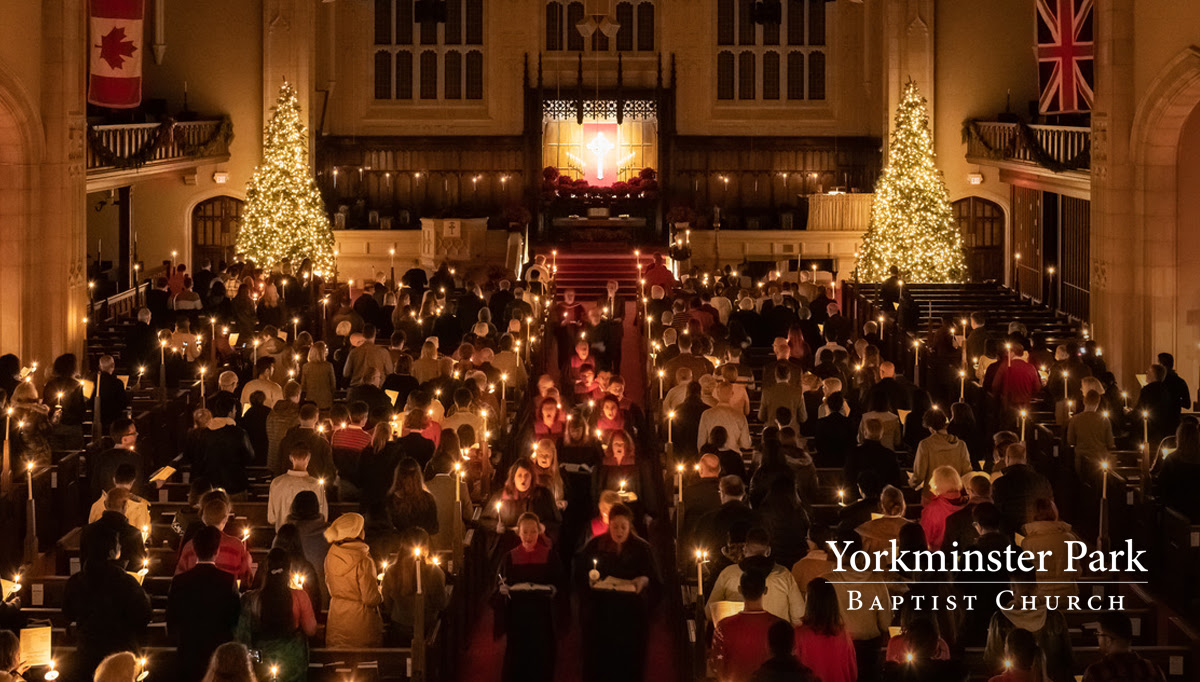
{"x": 165, "y": 134}
{"x": 1027, "y": 138}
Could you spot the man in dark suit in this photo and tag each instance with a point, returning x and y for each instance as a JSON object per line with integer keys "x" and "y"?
{"x": 141, "y": 343}
{"x": 985, "y": 585}
{"x": 1160, "y": 404}
{"x": 114, "y": 401}
{"x": 158, "y": 300}
{"x": 1018, "y": 490}
{"x": 101, "y": 467}
{"x": 202, "y": 607}
{"x": 113, "y": 524}
{"x": 897, "y": 389}
{"x": 1174, "y": 382}
{"x": 305, "y": 434}
{"x": 702, "y": 496}
{"x": 874, "y": 456}
{"x": 227, "y": 450}
{"x": 203, "y": 278}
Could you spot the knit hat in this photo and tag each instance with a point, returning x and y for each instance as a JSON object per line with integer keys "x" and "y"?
{"x": 348, "y": 526}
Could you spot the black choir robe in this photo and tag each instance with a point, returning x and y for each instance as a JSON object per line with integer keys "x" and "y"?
{"x": 528, "y": 617}
{"x": 616, "y": 624}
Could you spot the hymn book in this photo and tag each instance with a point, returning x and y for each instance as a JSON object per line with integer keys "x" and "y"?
{"x": 35, "y": 646}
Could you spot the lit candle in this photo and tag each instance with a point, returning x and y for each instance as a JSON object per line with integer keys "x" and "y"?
{"x": 701, "y": 556}
{"x": 383, "y": 566}
{"x": 245, "y": 536}
{"x": 679, "y": 481}
{"x": 661, "y": 375}
{"x": 145, "y": 534}
{"x": 670, "y": 420}
{"x": 1065, "y": 387}
{"x": 457, "y": 479}
{"x": 274, "y": 673}
{"x": 622, "y": 490}
{"x": 841, "y": 497}
{"x": 419, "y": 563}
{"x": 52, "y": 673}
{"x": 503, "y": 388}
{"x": 203, "y": 371}
{"x": 1023, "y": 414}
{"x": 1125, "y": 399}
{"x": 29, "y": 473}
{"x": 1104, "y": 479}
{"x": 917, "y": 360}
{"x": 295, "y": 327}
{"x": 1146, "y": 429}
{"x": 962, "y": 384}
{"x": 255, "y": 352}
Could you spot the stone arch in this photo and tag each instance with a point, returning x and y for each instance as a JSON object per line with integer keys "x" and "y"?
{"x": 21, "y": 150}
{"x": 1157, "y": 132}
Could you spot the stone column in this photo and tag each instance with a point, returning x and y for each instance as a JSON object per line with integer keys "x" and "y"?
{"x": 54, "y": 303}
{"x": 1118, "y": 268}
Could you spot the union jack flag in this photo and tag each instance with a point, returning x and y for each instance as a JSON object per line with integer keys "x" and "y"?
{"x": 1064, "y": 51}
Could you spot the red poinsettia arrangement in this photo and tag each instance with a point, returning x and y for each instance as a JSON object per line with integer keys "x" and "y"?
{"x": 642, "y": 186}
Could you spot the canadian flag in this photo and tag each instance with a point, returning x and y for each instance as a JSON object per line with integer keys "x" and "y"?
{"x": 115, "y": 53}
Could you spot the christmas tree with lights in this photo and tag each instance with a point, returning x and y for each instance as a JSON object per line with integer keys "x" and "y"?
{"x": 911, "y": 221}
{"x": 284, "y": 215}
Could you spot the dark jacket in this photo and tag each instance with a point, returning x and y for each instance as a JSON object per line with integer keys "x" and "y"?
{"x": 110, "y": 611}
{"x": 1016, "y": 493}
{"x": 320, "y": 464}
{"x": 871, "y": 456}
{"x": 96, "y": 538}
{"x": 699, "y": 498}
{"x": 114, "y": 401}
{"x": 223, "y": 461}
{"x": 202, "y": 612}
{"x": 103, "y": 466}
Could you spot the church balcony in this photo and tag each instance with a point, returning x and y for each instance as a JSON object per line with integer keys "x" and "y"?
{"x": 120, "y": 154}
{"x": 1054, "y": 158}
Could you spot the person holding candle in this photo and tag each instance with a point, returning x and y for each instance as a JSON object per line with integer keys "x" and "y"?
{"x": 350, "y": 576}
{"x": 447, "y": 484}
{"x": 623, "y": 471}
{"x": 232, "y": 556}
{"x": 113, "y": 524}
{"x": 277, "y": 620}
{"x": 409, "y": 504}
{"x": 615, "y": 624}
{"x": 948, "y": 498}
{"x": 1177, "y": 476}
{"x": 530, "y": 575}
{"x": 938, "y": 449}
{"x": 521, "y": 494}
{"x": 739, "y": 644}
{"x": 108, "y": 608}
{"x": 1156, "y": 399}
{"x": 401, "y": 584}
{"x": 136, "y": 510}
{"x": 202, "y": 607}
{"x": 1090, "y": 432}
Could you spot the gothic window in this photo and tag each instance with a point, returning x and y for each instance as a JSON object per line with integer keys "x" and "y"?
{"x": 761, "y": 29}
{"x": 439, "y": 69}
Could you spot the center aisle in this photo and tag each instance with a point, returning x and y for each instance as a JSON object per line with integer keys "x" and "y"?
{"x": 484, "y": 657}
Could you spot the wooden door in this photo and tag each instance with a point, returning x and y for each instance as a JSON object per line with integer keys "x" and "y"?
{"x": 214, "y": 230}
{"x": 981, "y": 223}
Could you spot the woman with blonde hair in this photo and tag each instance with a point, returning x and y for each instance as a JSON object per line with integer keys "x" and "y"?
{"x": 230, "y": 663}
{"x": 948, "y": 497}
{"x": 118, "y": 667}
{"x": 545, "y": 462}
{"x": 318, "y": 380}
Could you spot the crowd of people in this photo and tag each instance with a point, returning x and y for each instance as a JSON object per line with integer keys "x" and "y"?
{"x": 414, "y": 402}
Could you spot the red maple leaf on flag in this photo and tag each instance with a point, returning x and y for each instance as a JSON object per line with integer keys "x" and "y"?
{"x": 114, "y": 47}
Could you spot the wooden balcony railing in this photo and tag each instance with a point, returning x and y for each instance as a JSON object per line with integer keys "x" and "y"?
{"x": 136, "y": 145}
{"x": 1055, "y": 148}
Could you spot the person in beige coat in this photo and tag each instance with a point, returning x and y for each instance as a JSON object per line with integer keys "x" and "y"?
{"x": 351, "y": 576}
{"x": 1045, "y": 533}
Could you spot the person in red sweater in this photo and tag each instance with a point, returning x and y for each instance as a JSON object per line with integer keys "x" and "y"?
{"x": 739, "y": 645}
{"x": 822, "y": 642}
{"x": 232, "y": 555}
{"x": 1018, "y": 382}
{"x": 948, "y": 498}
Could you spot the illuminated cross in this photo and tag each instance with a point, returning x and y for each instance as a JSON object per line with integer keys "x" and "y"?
{"x": 600, "y": 146}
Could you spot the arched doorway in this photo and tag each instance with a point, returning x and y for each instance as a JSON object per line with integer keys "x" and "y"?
{"x": 981, "y": 223}
{"x": 215, "y": 225}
